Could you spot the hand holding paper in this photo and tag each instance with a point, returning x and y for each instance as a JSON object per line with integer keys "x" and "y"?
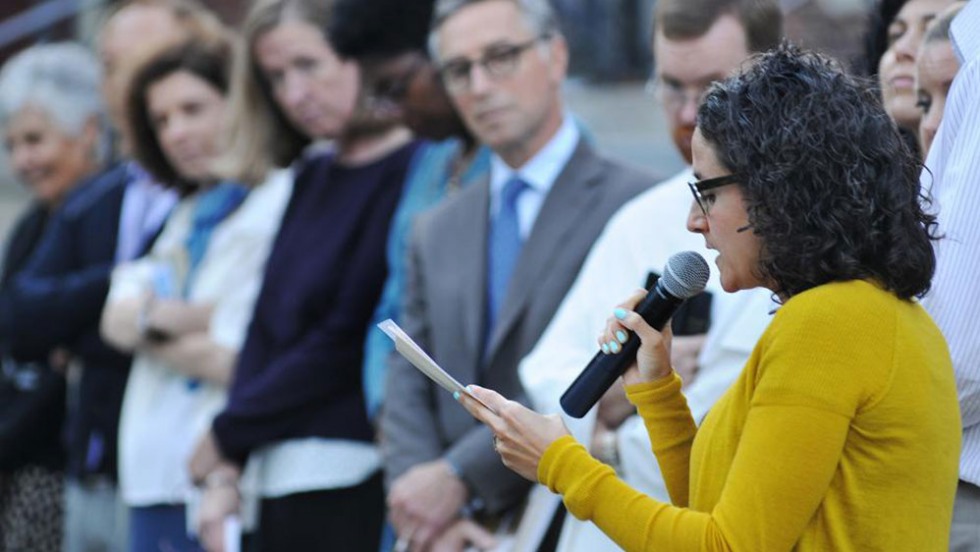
{"x": 415, "y": 355}
{"x": 520, "y": 435}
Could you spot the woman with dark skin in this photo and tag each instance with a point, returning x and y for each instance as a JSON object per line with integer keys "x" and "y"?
{"x": 388, "y": 39}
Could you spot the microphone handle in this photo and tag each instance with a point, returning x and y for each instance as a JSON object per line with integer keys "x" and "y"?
{"x": 603, "y": 370}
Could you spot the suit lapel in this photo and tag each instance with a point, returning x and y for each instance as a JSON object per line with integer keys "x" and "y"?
{"x": 469, "y": 245}
{"x": 566, "y": 202}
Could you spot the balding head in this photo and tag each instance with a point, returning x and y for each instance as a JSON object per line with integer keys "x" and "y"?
{"x": 137, "y": 29}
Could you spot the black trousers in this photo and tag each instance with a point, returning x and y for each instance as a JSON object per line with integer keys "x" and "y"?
{"x": 335, "y": 520}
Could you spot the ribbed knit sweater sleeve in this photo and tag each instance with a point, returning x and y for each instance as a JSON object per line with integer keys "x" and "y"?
{"x": 797, "y": 397}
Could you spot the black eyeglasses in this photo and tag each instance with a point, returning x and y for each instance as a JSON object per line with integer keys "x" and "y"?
{"x": 701, "y": 186}
{"x": 497, "y": 62}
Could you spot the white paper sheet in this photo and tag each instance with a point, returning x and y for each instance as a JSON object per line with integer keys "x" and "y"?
{"x": 415, "y": 355}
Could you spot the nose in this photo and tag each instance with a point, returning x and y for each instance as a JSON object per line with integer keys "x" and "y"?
{"x": 906, "y": 46}
{"x": 294, "y": 88}
{"x": 479, "y": 79}
{"x": 697, "y": 222}
{"x": 688, "y": 112}
{"x": 175, "y": 131}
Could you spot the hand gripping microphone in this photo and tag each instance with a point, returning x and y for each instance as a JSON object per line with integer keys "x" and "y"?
{"x": 685, "y": 276}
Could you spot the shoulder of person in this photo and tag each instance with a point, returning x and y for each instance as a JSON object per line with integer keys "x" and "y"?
{"x": 629, "y": 179}
{"x": 92, "y": 190}
{"x": 857, "y": 299}
{"x": 849, "y": 319}
{"x": 452, "y": 209}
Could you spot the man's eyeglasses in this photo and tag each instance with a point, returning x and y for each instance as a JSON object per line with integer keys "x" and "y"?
{"x": 497, "y": 62}
{"x": 674, "y": 96}
{"x": 699, "y": 187}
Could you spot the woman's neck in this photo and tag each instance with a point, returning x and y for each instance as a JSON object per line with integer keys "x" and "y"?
{"x": 365, "y": 149}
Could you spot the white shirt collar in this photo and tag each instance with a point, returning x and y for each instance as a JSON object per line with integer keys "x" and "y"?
{"x": 541, "y": 171}
{"x": 965, "y": 32}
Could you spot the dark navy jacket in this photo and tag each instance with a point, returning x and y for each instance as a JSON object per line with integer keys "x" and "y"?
{"x": 57, "y": 301}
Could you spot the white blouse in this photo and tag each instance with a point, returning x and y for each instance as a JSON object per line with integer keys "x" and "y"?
{"x": 164, "y": 413}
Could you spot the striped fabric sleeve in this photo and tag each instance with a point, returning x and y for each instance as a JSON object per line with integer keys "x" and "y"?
{"x": 954, "y": 183}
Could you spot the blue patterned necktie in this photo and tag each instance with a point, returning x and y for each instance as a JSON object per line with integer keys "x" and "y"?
{"x": 504, "y": 248}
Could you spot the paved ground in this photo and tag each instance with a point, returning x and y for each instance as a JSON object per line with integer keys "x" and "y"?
{"x": 627, "y": 124}
{"x": 624, "y": 120}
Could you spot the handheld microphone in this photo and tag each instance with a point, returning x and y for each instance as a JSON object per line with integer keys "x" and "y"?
{"x": 685, "y": 276}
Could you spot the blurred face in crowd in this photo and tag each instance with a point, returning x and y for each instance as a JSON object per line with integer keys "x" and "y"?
{"x": 46, "y": 158}
{"x": 725, "y": 225}
{"x": 685, "y": 69}
{"x": 188, "y": 115}
{"x": 407, "y": 87}
{"x": 935, "y": 68}
{"x": 503, "y": 78}
{"x": 316, "y": 90}
{"x": 896, "y": 69}
{"x": 126, "y": 38}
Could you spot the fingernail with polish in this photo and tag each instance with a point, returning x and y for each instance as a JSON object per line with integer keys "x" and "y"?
{"x": 620, "y": 313}
{"x": 456, "y": 395}
{"x": 605, "y": 348}
{"x": 621, "y": 336}
{"x": 614, "y": 347}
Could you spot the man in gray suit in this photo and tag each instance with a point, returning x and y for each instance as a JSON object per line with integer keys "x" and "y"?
{"x": 489, "y": 266}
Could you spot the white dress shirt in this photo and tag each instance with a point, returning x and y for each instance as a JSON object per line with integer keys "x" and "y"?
{"x": 539, "y": 173}
{"x": 954, "y": 183}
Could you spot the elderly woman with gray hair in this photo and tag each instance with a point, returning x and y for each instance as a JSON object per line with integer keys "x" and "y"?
{"x": 53, "y": 127}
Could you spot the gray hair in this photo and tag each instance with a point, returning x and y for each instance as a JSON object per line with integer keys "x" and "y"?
{"x": 64, "y": 80}
{"x": 538, "y": 15}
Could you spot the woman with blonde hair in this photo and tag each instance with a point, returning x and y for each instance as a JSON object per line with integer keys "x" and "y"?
{"x": 296, "y": 412}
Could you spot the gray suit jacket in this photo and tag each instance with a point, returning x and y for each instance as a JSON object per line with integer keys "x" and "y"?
{"x": 445, "y": 311}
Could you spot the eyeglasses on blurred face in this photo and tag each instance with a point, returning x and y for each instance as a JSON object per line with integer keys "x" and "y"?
{"x": 496, "y": 62}
{"x": 674, "y": 95}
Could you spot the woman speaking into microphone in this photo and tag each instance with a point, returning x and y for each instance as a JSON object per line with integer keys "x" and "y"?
{"x": 843, "y": 431}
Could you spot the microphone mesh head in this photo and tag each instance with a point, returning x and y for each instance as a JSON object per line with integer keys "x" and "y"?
{"x": 685, "y": 275}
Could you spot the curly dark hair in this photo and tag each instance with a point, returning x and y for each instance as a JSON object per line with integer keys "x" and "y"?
{"x": 379, "y": 28}
{"x": 829, "y": 185}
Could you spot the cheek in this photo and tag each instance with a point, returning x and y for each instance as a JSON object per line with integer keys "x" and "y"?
{"x": 56, "y": 153}
{"x": 886, "y": 68}
{"x": 338, "y": 97}
{"x": 213, "y": 126}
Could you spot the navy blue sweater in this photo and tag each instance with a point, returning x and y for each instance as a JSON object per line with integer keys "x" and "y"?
{"x": 299, "y": 372}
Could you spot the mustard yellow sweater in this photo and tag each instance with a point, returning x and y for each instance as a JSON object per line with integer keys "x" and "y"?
{"x": 842, "y": 433}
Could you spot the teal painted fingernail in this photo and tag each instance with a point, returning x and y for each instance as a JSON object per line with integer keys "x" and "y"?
{"x": 621, "y": 336}
{"x": 605, "y": 348}
{"x": 456, "y": 395}
{"x": 620, "y": 313}
{"x": 614, "y": 347}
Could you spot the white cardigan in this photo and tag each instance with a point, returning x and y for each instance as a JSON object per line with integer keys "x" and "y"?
{"x": 163, "y": 413}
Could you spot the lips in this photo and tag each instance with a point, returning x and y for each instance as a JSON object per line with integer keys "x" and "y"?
{"x": 902, "y": 82}
{"x": 491, "y": 114}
